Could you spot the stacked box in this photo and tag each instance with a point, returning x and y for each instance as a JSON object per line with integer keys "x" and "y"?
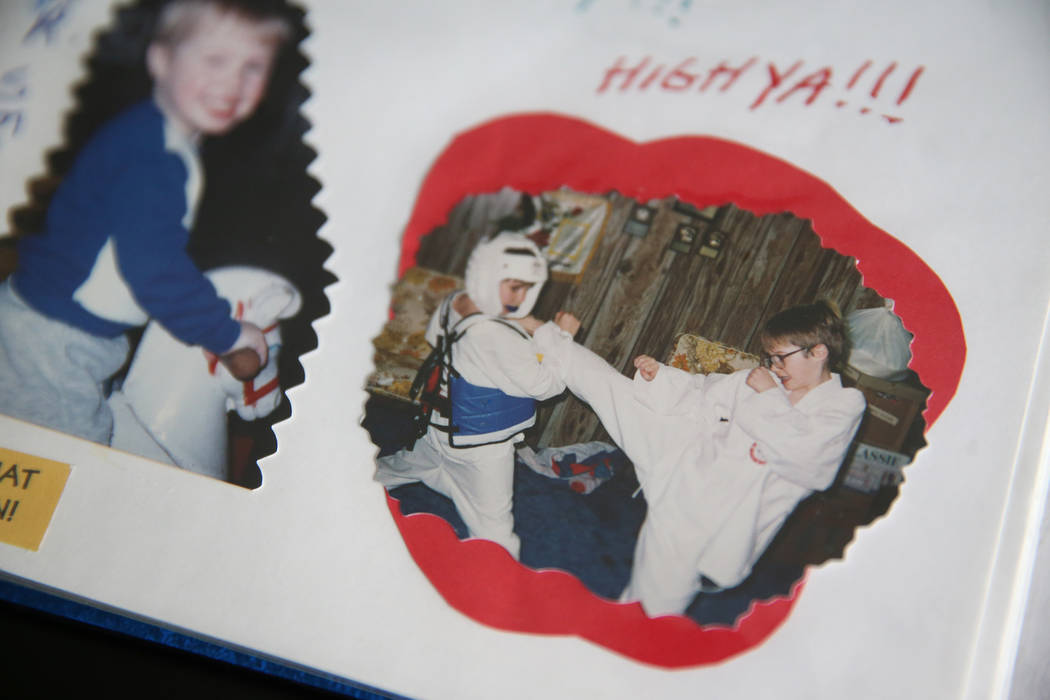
{"x": 870, "y": 468}
{"x": 892, "y": 408}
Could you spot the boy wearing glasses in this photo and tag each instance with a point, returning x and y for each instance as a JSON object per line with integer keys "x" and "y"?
{"x": 722, "y": 459}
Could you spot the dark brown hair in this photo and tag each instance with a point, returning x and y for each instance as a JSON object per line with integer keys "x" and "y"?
{"x": 807, "y": 326}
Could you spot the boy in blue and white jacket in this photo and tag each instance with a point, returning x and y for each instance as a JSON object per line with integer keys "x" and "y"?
{"x": 113, "y": 255}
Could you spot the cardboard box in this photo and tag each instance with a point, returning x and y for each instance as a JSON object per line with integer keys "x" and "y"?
{"x": 892, "y": 408}
{"x": 870, "y": 468}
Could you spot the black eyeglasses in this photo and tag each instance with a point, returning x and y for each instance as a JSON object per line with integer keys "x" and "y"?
{"x": 777, "y": 359}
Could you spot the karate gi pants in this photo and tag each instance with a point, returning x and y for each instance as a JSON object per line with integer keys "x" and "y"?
{"x": 663, "y": 580}
{"x": 479, "y": 480}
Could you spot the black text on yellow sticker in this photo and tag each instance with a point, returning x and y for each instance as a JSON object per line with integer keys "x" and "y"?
{"x": 29, "y": 491}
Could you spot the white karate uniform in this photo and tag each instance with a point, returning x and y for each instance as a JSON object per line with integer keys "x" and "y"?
{"x": 479, "y": 479}
{"x": 721, "y": 465}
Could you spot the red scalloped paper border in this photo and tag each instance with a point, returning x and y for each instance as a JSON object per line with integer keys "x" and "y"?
{"x": 541, "y": 152}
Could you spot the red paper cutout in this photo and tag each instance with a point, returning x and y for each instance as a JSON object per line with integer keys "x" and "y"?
{"x": 541, "y": 152}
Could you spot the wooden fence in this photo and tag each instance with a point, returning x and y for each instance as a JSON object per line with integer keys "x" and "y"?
{"x": 638, "y": 293}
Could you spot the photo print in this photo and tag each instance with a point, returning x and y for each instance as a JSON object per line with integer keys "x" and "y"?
{"x": 689, "y": 278}
{"x": 177, "y": 214}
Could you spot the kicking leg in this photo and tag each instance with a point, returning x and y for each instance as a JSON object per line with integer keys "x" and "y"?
{"x": 648, "y": 438}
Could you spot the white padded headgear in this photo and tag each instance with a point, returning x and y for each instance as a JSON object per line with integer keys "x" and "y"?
{"x": 506, "y": 256}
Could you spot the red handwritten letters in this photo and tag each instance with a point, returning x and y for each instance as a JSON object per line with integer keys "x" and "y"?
{"x": 771, "y": 83}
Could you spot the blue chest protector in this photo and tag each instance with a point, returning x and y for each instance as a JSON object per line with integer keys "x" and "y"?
{"x": 476, "y": 415}
{"x": 483, "y": 415}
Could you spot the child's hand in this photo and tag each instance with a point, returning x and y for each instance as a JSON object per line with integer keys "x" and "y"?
{"x": 567, "y": 322}
{"x": 647, "y": 367}
{"x": 761, "y": 379}
{"x": 242, "y": 365}
{"x": 529, "y": 323}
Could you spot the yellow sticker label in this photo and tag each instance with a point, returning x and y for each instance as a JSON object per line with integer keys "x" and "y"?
{"x": 29, "y": 491}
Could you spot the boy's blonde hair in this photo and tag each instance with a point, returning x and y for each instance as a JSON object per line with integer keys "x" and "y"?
{"x": 807, "y": 326}
{"x": 178, "y": 18}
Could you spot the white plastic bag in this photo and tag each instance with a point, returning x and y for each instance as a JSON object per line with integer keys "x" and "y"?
{"x": 881, "y": 346}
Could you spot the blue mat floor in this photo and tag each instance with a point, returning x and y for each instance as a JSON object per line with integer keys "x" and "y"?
{"x": 591, "y": 536}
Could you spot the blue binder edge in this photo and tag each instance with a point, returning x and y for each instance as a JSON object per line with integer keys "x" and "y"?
{"x": 115, "y": 622}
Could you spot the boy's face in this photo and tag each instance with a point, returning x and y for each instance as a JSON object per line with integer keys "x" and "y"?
{"x": 512, "y": 294}
{"x": 213, "y": 78}
{"x": 799, "y": 368}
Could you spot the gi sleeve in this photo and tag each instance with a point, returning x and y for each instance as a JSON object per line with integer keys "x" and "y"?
{"x": 671, "y": 391}
{"x": 151, "y": 244}
{"x": 513, "y": 364}
{"x": 804, "y": 446}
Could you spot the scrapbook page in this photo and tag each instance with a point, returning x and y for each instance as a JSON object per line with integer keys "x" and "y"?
{"x": 599, "y": 347}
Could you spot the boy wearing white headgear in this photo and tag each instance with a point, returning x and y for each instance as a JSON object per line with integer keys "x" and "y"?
{"x": 494, "y": 377}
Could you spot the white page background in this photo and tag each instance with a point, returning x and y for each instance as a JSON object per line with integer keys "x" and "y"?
{"x": 310, "y": 567}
